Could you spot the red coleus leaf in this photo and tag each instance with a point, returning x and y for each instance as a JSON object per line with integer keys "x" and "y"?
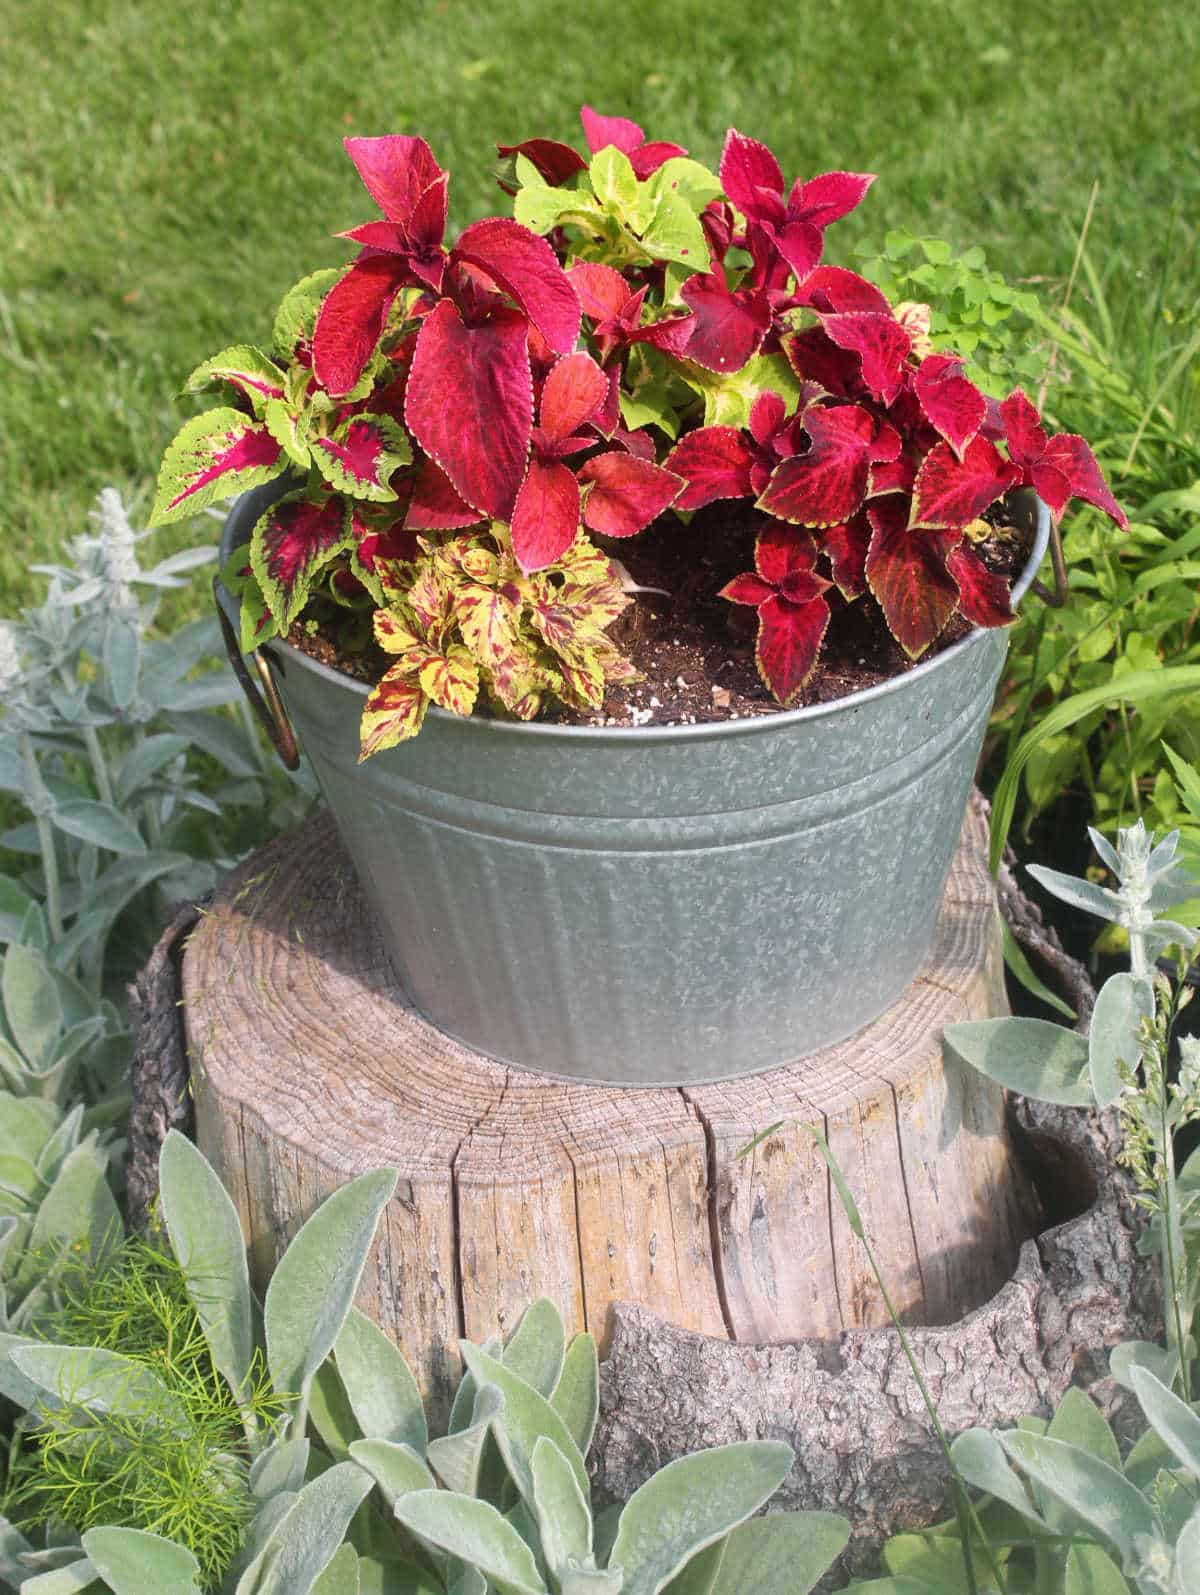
{"x": 574, "y": 390}
{"x": 469, "y": 403}
{"x": 828, "y": 484}
{"x": 289, "y": 544}
{"x": 748, "y": 588}
{"x": 880, "y": 342}
{"x": 1070, "y": 454}
{"x": 435, "y": 506}
{"x": 639, "y": 442}
{"x": 728, "y": 327}
{"x": 625, "y": 493}
{"x": 983, "y": 595}
{"x": 352, "y": 318}
{"x": 833, "y": 289}
{"x": 792, "y": 611}
{"x": 1058, "y": 468}
{"x": 767, "y": 415}
{"x": 787, "y": 560}
{"x": 556, "y": 162}
{"x": 395, "y": 170}
{"x": 395, "y": 544}
{"x": 906, "y": 570}
{"x": 892, "y": 476}
{"x": 952, "y": 404}
{"x": 601, "y": 290}
{"x": 951, "y": 493}
{"x": 800, "y": 244}
{"x": 213, "y": 456}
{"x": 825, "y": 199}
{"x": 1022, "y": 429}
{"x": 752, "y": 178}
{"x": 714, "y": 462}
{"x": 527, "y": 269}
{"x": 546, "y": 517}
{"x": 846, "y": 546}
{"x": 814, "y": 357}
{"x": 601, "y": 131}
{"x": 789, "y": 641}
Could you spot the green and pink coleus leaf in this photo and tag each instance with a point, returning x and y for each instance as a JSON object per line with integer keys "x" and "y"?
{"x": 214, "y": 456}
{"x": 297, "y": 313}
{"x": 1057, "y": 468}
{"x": 361, "y": 456}
{"x": 793, "y": 613}
{"x": 951, "y": 402}
{"x": 258, "y": 624}
{"x": 245, "y": 369}
{"x": 293, "y": 541}
{"x": 951, "y": 492}
{"x": 828, "y": 484}
{"x": 907, "y": 573}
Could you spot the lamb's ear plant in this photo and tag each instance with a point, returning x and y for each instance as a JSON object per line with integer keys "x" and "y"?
{"x": 57, "y": 1212}
{"x": 136, "y": 795}
{"x": 332, "y": 1484}
{"x": 1124, "y": 1058}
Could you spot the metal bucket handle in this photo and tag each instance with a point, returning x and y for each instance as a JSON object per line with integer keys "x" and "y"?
{"x": 271, "y": 713}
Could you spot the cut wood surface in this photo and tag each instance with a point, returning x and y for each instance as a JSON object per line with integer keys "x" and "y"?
{"x": 309, "y": 1066}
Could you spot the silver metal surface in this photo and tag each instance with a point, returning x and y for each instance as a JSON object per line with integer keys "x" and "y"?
{"x": 660, "y": 905}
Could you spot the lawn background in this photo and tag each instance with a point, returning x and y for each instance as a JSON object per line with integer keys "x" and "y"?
{"x": 166, "y": 171}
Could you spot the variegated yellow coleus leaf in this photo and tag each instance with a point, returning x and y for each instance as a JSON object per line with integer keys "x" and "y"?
{"x": 393, "y": 712}
{"x": 451, "y": 679}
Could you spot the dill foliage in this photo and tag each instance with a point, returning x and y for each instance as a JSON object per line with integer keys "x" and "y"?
{"x": 181, "y": 1472}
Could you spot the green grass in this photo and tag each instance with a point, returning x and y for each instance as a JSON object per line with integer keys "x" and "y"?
{"x": 167, "y": 171}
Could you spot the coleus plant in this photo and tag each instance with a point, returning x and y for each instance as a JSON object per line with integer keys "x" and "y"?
{"x": 454, "y": 424}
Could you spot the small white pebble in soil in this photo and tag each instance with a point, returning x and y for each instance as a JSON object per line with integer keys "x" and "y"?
{"x": 680, "y": 681}
{"x": 734, "y": 715}
{"x": 641, "y": 717}
{"x": 654, "y": 703}
{"x": 721, "y": 697}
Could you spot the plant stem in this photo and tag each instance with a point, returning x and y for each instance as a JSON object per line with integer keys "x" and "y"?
{"x": 40, "y": 803}
{"x": 95, "y": 752}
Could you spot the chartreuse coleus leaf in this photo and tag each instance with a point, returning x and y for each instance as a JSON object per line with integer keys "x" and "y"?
{"x": 244, "y": 368}
{"x": 729, "y": 396}
{"x": 297, "y": 313}
{"x": 213, "y": 456}
{"x": 257, "y": 623}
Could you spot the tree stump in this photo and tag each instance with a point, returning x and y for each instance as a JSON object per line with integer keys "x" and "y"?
{"x": 309, "y": 1067}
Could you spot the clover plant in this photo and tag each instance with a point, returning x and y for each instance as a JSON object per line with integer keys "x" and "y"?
{"x": 454, "y": 427}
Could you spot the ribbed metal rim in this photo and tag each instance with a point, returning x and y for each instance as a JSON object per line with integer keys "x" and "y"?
{"x": 482, "y": 725}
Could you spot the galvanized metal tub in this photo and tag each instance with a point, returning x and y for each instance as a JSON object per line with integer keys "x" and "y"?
{"x": 660, "y": 905}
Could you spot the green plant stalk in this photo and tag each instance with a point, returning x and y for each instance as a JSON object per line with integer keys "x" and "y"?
{"x": 39, "y": 804}
{"x": 95, "y": 752}
{"x": 964, "y": 1511}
